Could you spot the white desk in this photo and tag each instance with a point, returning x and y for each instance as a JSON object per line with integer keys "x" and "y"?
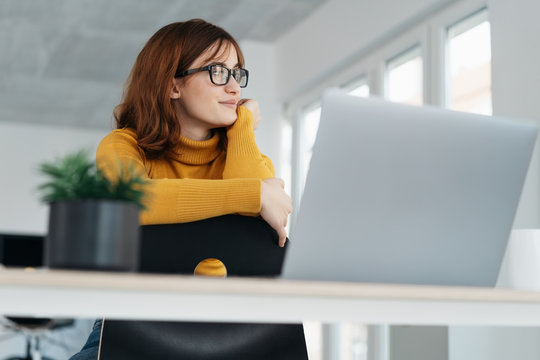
{"x": 173, "y": 297}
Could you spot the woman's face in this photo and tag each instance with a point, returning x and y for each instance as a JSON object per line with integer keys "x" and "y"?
{"x": 200, "y": 104}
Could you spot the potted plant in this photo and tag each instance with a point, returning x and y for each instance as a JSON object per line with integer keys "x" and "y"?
{"x": 93, "y": 221}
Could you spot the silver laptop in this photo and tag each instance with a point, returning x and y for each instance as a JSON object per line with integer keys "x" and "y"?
{"x": 404, "y": 194}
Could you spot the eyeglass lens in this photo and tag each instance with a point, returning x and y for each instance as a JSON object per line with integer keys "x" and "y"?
{"x": 220, "y": 75}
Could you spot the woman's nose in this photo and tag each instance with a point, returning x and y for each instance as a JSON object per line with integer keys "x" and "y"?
{"x": 232, "y": 86}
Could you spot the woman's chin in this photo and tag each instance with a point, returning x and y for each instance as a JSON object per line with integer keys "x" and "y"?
{"x": 223, "y": 121}
{"x": 229, "y": 122}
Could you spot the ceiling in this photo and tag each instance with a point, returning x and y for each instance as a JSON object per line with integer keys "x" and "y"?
{"x": 64, "y": 62}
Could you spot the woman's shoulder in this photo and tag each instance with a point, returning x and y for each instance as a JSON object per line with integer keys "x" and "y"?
{"x": 119, "y": 145}
{"x": 120, "y": 142}
{"x": 126, "y": 136}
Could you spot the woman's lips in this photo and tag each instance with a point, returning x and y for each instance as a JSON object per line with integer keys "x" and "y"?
{"x": 229, "y": 104}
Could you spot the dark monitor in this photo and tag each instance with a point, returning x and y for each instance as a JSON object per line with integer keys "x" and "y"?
{"x": 21, "y": 250}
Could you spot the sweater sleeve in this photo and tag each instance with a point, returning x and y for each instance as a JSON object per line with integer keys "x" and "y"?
{"x": 178, "y": 200}
{"x": 244, "y": 159}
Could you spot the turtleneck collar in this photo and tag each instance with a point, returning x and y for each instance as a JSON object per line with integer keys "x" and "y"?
{"x": 194, "y": 152}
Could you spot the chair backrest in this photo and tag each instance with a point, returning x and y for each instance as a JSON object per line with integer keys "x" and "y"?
{"x": 247, "y": 246}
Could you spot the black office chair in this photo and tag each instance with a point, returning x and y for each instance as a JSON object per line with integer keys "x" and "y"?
{"x": 248, "y": 247}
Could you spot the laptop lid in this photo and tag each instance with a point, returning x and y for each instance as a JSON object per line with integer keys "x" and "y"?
{"x": 405, "y": 194}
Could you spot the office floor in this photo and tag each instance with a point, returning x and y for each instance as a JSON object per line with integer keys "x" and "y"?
{"x": 72, "y": 337}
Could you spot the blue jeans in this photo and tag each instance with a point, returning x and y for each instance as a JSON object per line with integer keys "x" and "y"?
{"x": 90, "y": 350}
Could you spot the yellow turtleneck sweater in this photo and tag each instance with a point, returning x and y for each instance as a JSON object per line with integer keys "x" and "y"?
{"x": 203, "y": 181}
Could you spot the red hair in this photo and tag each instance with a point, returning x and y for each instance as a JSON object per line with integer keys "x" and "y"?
{"x": 146, "y": 104}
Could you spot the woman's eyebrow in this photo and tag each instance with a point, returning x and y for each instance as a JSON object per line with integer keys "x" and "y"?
{"x": 223, "y": 64}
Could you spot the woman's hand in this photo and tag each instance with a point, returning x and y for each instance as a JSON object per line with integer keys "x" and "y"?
{"x": 276, "y": 206}
{"x": 253, "y": 106}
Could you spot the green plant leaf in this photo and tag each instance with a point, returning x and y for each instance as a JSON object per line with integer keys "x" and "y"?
{"x": 75, "y": 177}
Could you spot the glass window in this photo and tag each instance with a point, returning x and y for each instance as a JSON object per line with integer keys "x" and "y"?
{"x": 309, "y": 126}
{"x": 358, "y": 337}
{"x": 357, "y": 87}
{"x": 286, "y": 155}
{"x": 404, "y": 77}
{"x": 468, "y": 65}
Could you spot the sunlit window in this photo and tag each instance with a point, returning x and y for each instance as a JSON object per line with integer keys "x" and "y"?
{"x": 286, "y": 156}
{"x": 309, "y": 126}
{"x": 354, "y": 341}
{"x": 404, "y": 77}
{"x": 468, "y": 85}
{"x": 357, "y": 87}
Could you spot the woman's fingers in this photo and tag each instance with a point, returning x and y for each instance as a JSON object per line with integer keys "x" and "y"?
{"x": 253, "y": 107}
{"x": 276, "y": 206}
{"x": 282, "y": 237}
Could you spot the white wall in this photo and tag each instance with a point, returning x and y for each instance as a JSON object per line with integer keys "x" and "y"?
{"x": 260, "y": 61}
{"x": 22, "y": 148}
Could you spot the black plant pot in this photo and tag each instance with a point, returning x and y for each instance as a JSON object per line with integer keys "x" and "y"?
{"x": 93, "y": 235}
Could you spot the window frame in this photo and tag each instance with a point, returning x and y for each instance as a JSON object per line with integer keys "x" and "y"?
{"x": 423, "y": 55}
{"x": 445, "y": 99}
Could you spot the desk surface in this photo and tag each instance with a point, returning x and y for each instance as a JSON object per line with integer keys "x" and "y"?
{"x": 174, "y": 297}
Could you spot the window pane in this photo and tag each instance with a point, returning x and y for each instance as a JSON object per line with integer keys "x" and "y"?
{"x": 310, "y": 125}
{"x": 358, "y": 339}
{"x": 357, "y": 87}
{"x": 469, "y": 65}
{"x": 362, "y": 91}
{"x": 404, "y": 77}
{"x": 286, "y": 153}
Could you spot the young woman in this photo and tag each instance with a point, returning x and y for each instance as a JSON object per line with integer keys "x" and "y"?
{"x": 183, "y": 124}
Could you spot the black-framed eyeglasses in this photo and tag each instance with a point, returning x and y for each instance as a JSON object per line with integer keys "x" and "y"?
{"x": 220, "y": 75}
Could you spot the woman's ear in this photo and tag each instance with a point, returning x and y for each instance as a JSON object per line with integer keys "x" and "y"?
{"x": 175, "y": 90}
